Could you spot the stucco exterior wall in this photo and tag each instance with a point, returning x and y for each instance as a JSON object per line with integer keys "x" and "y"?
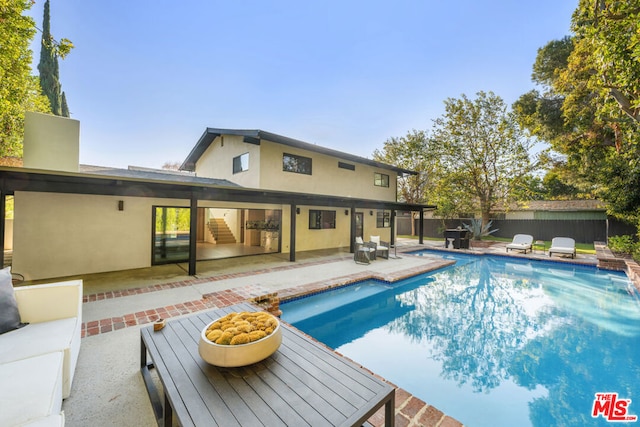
{"x": 58, "y": 235}
{"x": 217, "y": 161}
{"x": 327, "y": 178}
{"x": 51, "y": 142}
{"x": 307, "y": 240}
{"x": 370, "y": 227}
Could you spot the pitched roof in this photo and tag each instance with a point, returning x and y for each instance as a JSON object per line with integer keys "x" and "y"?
{"x": 154, "y": 174}
{"x": 254, "y": 137}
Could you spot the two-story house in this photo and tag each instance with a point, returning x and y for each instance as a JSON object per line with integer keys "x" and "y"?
{"x": 240, "y": 192}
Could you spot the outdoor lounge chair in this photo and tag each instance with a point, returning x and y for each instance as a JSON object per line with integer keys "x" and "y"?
{"x": 521, "y": 242}
{"x": 364, "y": 251}
{"x": 382, "y": 248}
{"x": 564, "y": 246}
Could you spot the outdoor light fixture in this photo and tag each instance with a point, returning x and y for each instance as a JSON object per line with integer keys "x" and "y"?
{"x": 346, "y": 212}
{"x": 298, "y": 211}
{"x": 371, "y": 213}
{"x": 120, "y": 205}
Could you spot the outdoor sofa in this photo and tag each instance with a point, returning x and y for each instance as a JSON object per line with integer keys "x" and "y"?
{"x": 37, "y": 360}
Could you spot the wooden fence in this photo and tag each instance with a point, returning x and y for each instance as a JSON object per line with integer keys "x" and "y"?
{"x": 582, "y": 231}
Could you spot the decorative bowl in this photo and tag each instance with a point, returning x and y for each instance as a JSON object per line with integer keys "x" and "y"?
{"x": 231, "y": 350}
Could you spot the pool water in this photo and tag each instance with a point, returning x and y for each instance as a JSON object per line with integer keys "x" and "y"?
{"x": 491, "y": 341}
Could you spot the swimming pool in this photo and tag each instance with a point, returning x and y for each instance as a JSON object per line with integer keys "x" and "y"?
{"x": 491, "y": 341}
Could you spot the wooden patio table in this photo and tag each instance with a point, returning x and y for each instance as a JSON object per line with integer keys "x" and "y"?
{"x": 302, "y": 384}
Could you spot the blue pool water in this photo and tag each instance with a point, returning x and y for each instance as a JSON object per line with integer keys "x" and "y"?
{"x": 491, "y": 341}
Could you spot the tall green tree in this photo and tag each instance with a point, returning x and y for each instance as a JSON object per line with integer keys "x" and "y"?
{"x": 480, "y": 152}
{"x": 19, "y": 90}
{"x": 409, "y": 152}
{"x": 589, "y": 111}
{"x": 608, "y": 31}
{"x": 48, "y": 67}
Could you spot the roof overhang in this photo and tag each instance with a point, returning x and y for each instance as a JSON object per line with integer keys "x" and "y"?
{"x": 255, "y": 136}
{"x": 21, "y": 179}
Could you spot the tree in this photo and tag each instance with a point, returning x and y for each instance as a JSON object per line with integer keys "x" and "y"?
{"x": 586, "y": 111}
{"x": 174, "y": 166}
{"x": 19, "y": 91}
{"x": 480, "y": 153}
{"x": 48, "y": 67}
{"x": 409, "y": 152}
{"x": 608, "y": 32}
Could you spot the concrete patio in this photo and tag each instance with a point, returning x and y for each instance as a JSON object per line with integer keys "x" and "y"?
{"x": 108, "y": 389}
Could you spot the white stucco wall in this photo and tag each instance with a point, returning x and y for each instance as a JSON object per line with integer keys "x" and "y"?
{"x": 217, "y": 161}
{"x": 58, "y": 235}
{"x": 327, "y": 178}
{"x": 307, "y": 239}
{"x": 51, "y": 142}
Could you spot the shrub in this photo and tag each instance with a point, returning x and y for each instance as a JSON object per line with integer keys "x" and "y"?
{"x": 477, "y": 230}
{"x": 623, "y": 244}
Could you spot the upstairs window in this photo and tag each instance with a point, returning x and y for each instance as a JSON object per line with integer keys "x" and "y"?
{"x": 241, "y": 163}
{"x": 297, "y": 164}
{"x": 380, "y": 180}
{"x": 319, "y": 220}
{"x": 348, "y": 166}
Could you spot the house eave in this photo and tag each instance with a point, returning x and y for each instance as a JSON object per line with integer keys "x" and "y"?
{"x": 255, "y": 136}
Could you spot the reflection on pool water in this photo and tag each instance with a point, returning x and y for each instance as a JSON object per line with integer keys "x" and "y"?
{"x": 491, "y": 341}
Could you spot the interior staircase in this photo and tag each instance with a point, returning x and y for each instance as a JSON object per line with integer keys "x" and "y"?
{"x": 220, "y": 231}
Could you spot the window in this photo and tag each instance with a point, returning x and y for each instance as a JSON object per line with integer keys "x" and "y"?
{"x": 297, "y": 164}
{"x": 349, "y": 166}
{"x": 383, "y": 219}
{"x": 380, "y": 180}
{"x": 241, "y": 163}
{"x": 321, "y": 219}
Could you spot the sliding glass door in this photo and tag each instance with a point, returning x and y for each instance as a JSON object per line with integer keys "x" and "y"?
{"x": 170, "y": 234}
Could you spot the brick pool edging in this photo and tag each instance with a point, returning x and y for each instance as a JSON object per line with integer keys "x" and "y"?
{"x": 409, "y": 411}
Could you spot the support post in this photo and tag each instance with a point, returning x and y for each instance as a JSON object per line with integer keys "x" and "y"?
{"x": 421, "y": 227}
{"x": 352, "y": 233}
{"x": 193, "y": 229}
{"x": 393, "y": 228}
{"x": 292, "y": 237}
{"x": 3, "y": 221}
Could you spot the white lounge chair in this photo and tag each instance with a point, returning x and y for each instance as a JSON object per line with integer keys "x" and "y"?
{"x": 382, "y": 248}
{"x": 564, "y": 246}
{"x": 521, "y": 242}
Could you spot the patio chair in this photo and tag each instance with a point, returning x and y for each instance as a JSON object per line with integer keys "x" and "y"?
{"x": 364, "y": 252}
{"x": 521, "y": 242}
{"x": 382, "y": 248}
{"x": 563, "y": 246}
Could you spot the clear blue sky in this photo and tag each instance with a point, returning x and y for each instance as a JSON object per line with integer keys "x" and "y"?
{"x": 147, "y": 77}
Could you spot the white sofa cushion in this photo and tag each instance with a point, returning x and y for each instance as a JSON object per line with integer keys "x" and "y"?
{"x": 46, "y": 337}
{"x": 9, "y": 314}
{"x": 31, "y": 390}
